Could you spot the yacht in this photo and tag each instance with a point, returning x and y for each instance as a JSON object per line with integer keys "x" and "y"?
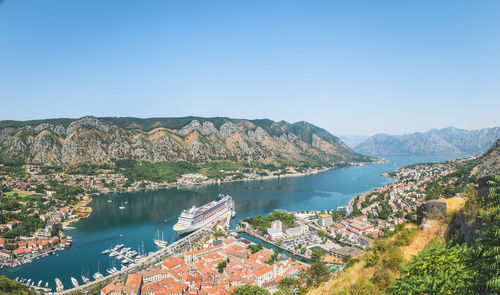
{"x": 74, "y": 282}
{"x": 59, "y": 285}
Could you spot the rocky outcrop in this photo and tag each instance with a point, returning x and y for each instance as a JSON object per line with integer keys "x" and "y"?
{"x": 430, "y": 211}
{"x": 487, "y": 166}
{"x": 443, "y": 141}
{"x": 193, "y": 139}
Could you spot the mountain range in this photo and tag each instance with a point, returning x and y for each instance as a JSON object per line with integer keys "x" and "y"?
{"x": 449, "y": 140}
{"x": 67, "y": 142}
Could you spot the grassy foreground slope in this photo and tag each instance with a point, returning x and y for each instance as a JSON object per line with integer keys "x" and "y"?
{"x": 375, "y": 270}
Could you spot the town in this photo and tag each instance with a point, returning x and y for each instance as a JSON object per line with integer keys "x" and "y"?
{"x": 213, "y": 265}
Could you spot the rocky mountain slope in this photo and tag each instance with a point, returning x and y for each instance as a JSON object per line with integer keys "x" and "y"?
{"x": 104, "y": 140}
{"x": 489, "y": 163}
{"x": 436, "y": 141}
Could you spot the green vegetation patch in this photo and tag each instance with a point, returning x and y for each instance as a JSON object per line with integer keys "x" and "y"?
{"x": 263, "y": 223}
{"x": 18, "y": 194}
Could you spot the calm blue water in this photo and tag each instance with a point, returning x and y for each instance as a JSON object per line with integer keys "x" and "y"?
{"x": 148, "y": 212}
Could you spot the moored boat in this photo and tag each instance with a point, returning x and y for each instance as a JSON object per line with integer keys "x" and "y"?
{"x": 74, "y": 282}
{"x": 59, "y": 285}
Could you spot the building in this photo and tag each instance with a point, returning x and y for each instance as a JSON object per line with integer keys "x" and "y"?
{"x": 5, "y": 255}
{"x": 134, "y": 284}
{"x": 277, "y": 225}
{"x": 274, "y": 233}
{"x": 344, "y": 208}
{"x": 345, "y": 252}
{"x": 297, "y": 231}
{"x": 325, "y": 220}
{"x": 264, "y": 274}
{"x": 191, "y": 256}
{"x": 364, "y": 242}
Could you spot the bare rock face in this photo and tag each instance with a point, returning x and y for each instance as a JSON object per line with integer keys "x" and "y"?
{"x": 106, "y": 140}
{"x": 488, "y": 165}
{"x": 430, "y": 211}
{"x": 87, "y": 122}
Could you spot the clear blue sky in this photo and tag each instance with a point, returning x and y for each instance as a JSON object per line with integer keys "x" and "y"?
{"x": 351, "y": 67}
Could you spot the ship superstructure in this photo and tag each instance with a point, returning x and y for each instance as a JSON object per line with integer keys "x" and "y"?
{"x": 197, "y": 217}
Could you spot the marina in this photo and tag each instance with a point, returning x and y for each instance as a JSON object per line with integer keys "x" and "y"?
{"x": 158, "y": 211}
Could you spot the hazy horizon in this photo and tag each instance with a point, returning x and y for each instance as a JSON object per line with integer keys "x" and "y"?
{"x": 351, "y": 68}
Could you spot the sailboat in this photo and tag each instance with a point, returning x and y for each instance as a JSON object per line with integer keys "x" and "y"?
{"x": 85, "y": 279}
{"x": 98, "y": 275}
{"x": 121, "y": 206}
{"x": 160, "y": 243}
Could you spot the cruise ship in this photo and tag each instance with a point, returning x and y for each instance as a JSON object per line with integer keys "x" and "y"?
{"x": 195, "y": 218}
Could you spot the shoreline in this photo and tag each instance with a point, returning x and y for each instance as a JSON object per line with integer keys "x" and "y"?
{"x": 88, "y": 198}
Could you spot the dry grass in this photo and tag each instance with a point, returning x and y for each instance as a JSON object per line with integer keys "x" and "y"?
{"x": 422, "y": 239}
{"x": 455, "y": 203}
{"x": 358, "y": 272}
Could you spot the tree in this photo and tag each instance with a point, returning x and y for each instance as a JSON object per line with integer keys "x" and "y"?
{"x": 250, "y": 290}
{"x": 221, "y": 266}
{"x": 439, "y": 269}
{"x": 316, "y": 255}
{"x": 254, "y": 248}
{"x": 485, "y": 257}
{"x": 317, "y": 273}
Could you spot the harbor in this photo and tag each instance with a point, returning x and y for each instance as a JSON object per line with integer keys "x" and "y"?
{"x": 148, "y": 212}
{"x": 153, "y": 257}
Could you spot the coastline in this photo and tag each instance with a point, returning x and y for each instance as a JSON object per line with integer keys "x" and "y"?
{"x": 88, "y": 197}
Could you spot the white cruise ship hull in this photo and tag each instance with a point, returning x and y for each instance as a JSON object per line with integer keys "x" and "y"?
{"x": 182, "y": 229}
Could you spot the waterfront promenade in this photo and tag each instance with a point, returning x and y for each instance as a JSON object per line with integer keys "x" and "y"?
{"x": 152, "y": 257}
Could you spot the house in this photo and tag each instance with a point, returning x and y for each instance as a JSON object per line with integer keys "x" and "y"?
{"x": 5, "y": 255}
{"x": 134, "y": 284}
{"x": 172, "y": 263}
{"x": 264, "y": 274}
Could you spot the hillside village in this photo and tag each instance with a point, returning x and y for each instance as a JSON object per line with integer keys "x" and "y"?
{"x": 345, "y": 232}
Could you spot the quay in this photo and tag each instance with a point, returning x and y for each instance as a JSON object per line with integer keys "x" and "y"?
{"x": 152, "y": 257}
{"x": 37, "y": 288}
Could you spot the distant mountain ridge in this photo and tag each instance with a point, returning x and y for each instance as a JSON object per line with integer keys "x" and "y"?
{"x": 353, "y": 141}
{"x": 449, "y": 140}
{"x": 65, "y": 142}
